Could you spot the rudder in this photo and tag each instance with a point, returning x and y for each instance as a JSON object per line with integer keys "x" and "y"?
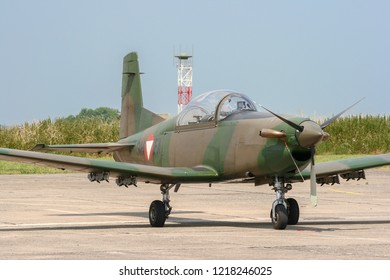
{"x": 134, "y": 117}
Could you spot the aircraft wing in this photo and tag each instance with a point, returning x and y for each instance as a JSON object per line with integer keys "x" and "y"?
{"x": 84, "y": 148}
{"x": 347, "y": 169}
{"x": 149, "y": 173}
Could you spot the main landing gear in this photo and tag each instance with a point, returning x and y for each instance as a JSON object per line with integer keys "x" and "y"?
{"x": 159, "y": 210}
{"x": 284, "y": 211}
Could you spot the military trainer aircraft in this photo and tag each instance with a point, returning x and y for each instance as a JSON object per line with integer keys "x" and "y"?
{"x": 220, "y": 136}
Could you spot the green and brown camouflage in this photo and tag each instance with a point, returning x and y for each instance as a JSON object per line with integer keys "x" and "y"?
{"x": 132, "y": 103}
{"x": 220, "y": 136}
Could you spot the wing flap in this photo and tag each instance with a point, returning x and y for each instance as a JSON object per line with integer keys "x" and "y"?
{"x": 145, "y": 172}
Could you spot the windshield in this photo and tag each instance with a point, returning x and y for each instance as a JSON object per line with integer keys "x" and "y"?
{"x": 214, "y": 105}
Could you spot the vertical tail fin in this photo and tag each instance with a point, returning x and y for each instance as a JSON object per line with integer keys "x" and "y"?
{"x": 134, "y": 117}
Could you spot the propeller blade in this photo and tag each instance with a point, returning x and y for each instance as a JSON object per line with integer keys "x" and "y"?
{"x": 290, "y": 123}
{"x": 313, "y": 179}
{"x": 331, "y": 120}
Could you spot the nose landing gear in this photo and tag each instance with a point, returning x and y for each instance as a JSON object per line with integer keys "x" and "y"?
{"x": 284, "y": 211}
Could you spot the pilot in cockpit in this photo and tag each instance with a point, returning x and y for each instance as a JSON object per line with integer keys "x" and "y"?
{"x": 241, "y": 105}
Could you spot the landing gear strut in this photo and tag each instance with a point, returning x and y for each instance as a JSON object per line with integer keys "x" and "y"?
{"x": 284, "y": 211}
{"x": 159, "y": 210}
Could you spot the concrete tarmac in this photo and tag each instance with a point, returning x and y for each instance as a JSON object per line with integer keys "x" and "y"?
{"x": 64, "y": 216}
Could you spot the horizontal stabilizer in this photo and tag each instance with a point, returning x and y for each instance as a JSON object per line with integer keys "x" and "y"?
{"x": 84, "y": 148}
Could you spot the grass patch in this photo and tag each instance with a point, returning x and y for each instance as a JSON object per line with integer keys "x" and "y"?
{"x": 357, "y": 135}
{"x": 59, "y": 131}
{"x": 8, "y": 167}
{"x": 325, "y": 158}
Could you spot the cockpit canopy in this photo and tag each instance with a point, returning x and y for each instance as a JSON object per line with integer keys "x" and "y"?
{"x": 214, "y": 106}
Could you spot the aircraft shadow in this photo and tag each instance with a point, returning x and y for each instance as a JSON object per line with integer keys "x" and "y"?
{"x": 125, "y": 214}
{"x": 177, "y": 222}
{"x": 301, "y": 226}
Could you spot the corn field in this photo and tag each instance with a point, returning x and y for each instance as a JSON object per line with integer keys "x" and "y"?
{"x": 358, "y": 135}
{"x": 59, "y": 131}
{"x": 349, "y": 135}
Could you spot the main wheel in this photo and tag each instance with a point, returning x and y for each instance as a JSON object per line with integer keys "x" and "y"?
{"x": 293, "y": 211}
{"x": 157, "y": 215}
{"x": 281, "y": 218}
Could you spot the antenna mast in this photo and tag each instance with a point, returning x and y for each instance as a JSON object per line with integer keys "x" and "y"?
{"x": 184, "y": 79}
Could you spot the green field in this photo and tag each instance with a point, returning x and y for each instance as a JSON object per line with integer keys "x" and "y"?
{"x": 358, "y": 135}
{"x": 350, "y": 136}
{"x": 8, "y": 167}
{"x": 59, "y": 131}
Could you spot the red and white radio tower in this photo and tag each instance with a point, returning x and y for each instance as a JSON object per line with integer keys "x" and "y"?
{"x": 184, "y": 79}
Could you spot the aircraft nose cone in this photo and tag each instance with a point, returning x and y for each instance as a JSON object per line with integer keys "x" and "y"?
{"x": 312, "y": 134}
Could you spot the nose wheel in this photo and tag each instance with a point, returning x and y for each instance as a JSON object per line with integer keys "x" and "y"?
{"x": 284, "y": 211}
{"x": 279, "y": 218}
{"x": 292, "y": 211}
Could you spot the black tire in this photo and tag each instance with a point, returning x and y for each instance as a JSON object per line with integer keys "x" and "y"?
{"x": 281, "y": 218}
{"x": 293, "y": 211}
{"x": 157, "y": 215}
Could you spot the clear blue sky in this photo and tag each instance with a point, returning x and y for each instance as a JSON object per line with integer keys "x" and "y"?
{"x": 295, "y": 57}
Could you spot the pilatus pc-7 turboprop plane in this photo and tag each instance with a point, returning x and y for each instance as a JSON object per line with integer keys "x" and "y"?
{"x": 219, "y": 136}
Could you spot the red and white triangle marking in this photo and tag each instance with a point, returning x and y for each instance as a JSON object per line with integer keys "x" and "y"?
{"x": 149, "y": 147}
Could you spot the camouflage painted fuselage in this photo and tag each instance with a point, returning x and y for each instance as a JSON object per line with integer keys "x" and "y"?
{"x": 232, "y": 147}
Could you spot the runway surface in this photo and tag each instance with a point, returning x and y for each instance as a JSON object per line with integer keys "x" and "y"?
{"x": 64, "y": 216}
